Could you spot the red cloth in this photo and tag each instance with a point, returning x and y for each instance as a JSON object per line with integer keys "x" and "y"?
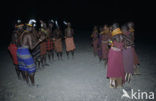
{"x": 43, "y": 49}
{"x": 49, "y": 44}
{"x": 115, "y": 63}
{"x": 104, "y": 45}
{"x": 70, "y": 45}
{"x": 58, "y": 45}
{"x": 13, "y": 49}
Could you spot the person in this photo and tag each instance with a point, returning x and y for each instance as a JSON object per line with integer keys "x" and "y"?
{"x": 136, "y": 60}
{"x": 99, "y": 45}
{"x": 36, "y": 51}
{"x": 25, "y": 60}
{"x": 58, "y": 42}
{"x": 115, "y": 70}
{"x": 50, "y": 43}
{"x": 127, "y": 53}
{"x": 69, "y": 40}
{"x": 105, "y": 36}
{"x": 43, "y": 46}
{"x": 13, "y": 49}
{"x": 94, "y": 37}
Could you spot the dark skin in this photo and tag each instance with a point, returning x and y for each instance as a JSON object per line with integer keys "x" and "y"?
{"x": 14, "y": 41}
{"x": 51, "y": 52}
{"x": 69, "y": 33}
{"x": 58, "y": 35}
{"x": 26, "y": 40}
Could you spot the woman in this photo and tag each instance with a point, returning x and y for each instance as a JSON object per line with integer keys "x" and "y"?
{"x": 94, "y": 37}
{"x": 115, "y": 70}
{"x": 127, "y": 53}
{"x": 136, "y": 60}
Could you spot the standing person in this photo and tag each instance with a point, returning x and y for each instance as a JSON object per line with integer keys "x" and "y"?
{"x": 13, "y": 49}
{"x": 94, "y": 37}
{"x": 58, "y": 41}
{"x": 99, "y": 45}
{"x": 36, "y": 51}
{"x": 105, "y": 36}
{"x": 25, "y": 60}
{"x": 136, "y": 60}
{"x": 127, "y": 53}
{"x": 50, "y": 44}
{"x": 115, "y": 70}
{"x": 43, "y": 46}
{"x": 69, "y": 40}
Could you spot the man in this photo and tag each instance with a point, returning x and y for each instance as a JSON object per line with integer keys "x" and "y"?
{"x": 58, "y": 42}
{"x": 43, "y": 47}
{"x": 36, "y": 50}
{"x": 50, "y": 44}
{"x": 69, "y": 40}
{"x": 25, "y": 60}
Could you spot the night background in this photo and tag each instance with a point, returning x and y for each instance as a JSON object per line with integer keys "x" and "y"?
{"x": 84, "y": 14}
{"x": 83, "y": 78}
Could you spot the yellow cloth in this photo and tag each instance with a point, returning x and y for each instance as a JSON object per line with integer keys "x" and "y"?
{"x": 20, "y": 25}
{"x": 131, "y": 30}
{"x": 116, "y": 31}
{"x": 29, "y": 25}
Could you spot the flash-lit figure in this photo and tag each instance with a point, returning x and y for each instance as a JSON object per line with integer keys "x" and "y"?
{"x": 58, "y": 42}
{"x": 127, "y": 52}
{"x": 94, "y": 37}
{"x": 50, "y": 43}
{"x": 105, "y": 36}
{"x": 25, "y": 60}
{"x": 136, "y": 60}
{"x": 43, "y": 46}
{"x": 115, "y": 70}
{"x": 69, "y": 40}
{"x": 99, "y": 44}
{"x": 13, "y": 48}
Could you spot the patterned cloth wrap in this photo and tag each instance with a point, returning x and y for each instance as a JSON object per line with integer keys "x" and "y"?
{"x": 25, "y": 60}
{"x": 49, "y": 44}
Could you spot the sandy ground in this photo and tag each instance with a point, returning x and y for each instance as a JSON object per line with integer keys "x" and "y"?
{"x": 82, "y": 78}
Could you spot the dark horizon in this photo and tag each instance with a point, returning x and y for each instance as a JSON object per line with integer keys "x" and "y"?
{"x": 83, "y": 14}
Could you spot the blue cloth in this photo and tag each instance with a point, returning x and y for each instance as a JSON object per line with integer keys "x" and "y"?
{"x": 25, "y": 60}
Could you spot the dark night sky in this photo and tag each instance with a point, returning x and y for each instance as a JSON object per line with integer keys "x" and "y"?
{"x": 83, "y": 13}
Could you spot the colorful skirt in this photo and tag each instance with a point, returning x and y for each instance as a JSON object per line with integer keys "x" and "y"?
{"x": 70, "y": 45}
{"x": 115, "y": 64}
{"x": 95, "y": 44}
{"x": 105, "y": 50}
{"x": 58, "y": 45}
{"x": 36, "y": 53}
{"x": 49, "y": 44}
{"x": 25, "y": 60}
{"x": 43, "y": 48}
{"x": 128, "y": 60}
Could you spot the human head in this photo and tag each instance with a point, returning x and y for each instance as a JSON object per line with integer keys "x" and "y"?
{"x": 124, "y": 29}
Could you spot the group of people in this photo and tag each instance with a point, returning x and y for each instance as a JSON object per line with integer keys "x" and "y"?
{"x": 115, "y": 46}
{"x": 31, "y": 45}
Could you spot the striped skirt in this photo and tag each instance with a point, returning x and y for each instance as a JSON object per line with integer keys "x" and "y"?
{"x": 25, "y": 60}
